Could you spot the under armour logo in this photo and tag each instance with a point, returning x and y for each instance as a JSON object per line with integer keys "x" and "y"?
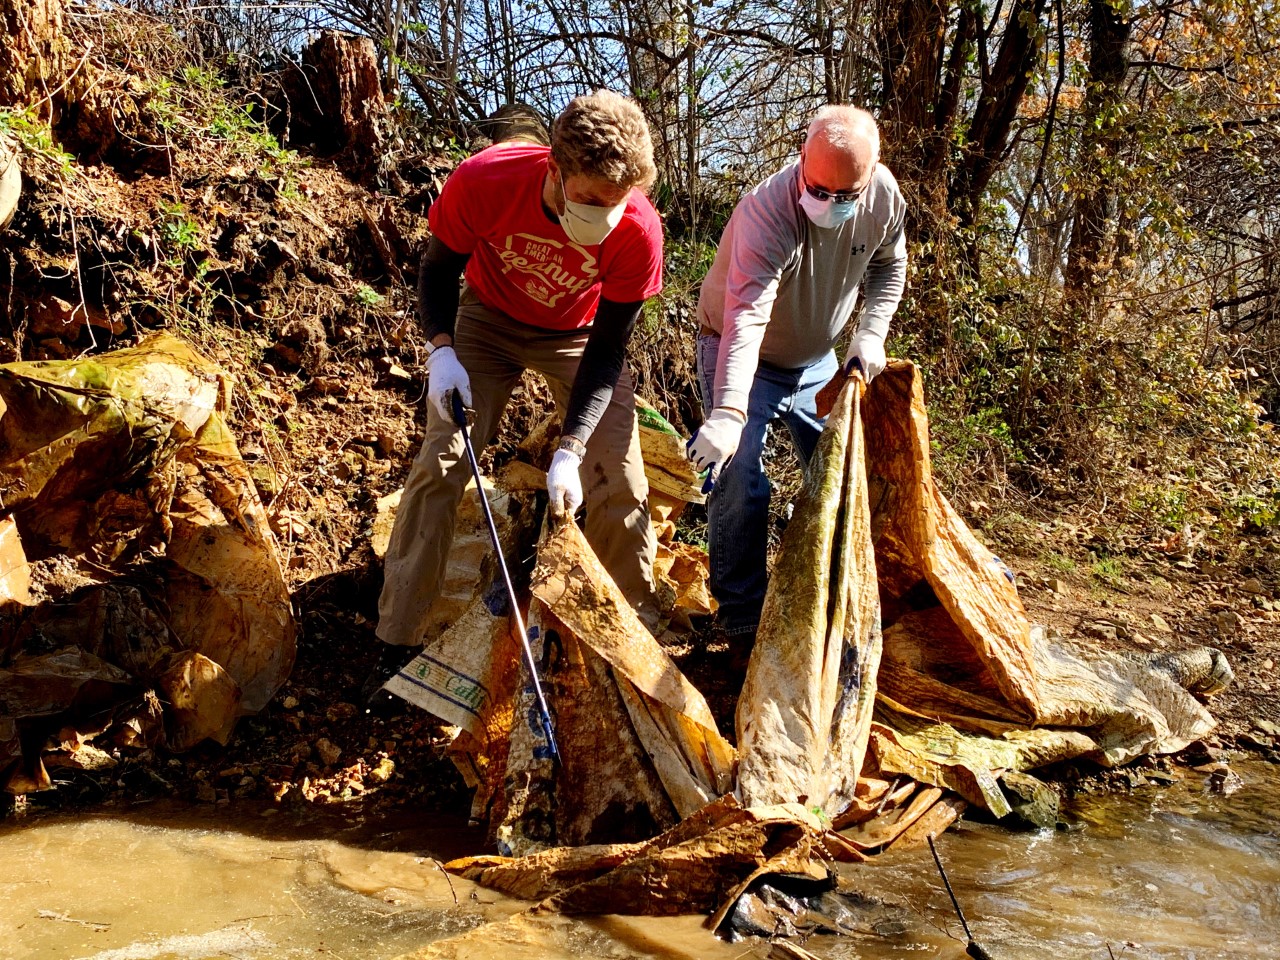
{"x": 858, "y": 250}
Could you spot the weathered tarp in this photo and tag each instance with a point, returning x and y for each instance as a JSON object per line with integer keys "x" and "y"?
{"x": 805, "y": 709}
{"x": 639, "y": 747}
{"x": 133, "y": 539}
{"x": 695, "y": 866}
{"x": 958, "y": 644}
{"x": 925, "y": 556}
{"x": 643, "y": 745}
{"x": 895, "y": 680}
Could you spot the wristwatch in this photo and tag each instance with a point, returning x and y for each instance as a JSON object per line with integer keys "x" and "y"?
{"x": 574, "y": 446}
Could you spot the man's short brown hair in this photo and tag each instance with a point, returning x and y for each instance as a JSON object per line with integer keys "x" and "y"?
{"x": 604, "y": 135}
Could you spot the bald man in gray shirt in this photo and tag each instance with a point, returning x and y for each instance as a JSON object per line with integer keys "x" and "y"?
{"x": 783, "y": 285}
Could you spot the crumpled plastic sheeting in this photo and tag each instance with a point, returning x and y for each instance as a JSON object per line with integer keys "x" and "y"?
{"x": 805, "y": 709}
{"x": 124, "y": 461}
{"x": 697, "y": 866}
{"x": 639, "y": 748}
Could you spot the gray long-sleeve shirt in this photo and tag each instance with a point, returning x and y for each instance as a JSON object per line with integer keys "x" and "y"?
{"x": 781, "y": 289}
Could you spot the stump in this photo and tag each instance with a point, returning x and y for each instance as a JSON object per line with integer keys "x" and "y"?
{"x": 33, "y": 53}
{"x": 333, "y": 101}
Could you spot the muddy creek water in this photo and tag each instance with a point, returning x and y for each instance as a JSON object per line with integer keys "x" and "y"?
{"x": 1171, "y": 871}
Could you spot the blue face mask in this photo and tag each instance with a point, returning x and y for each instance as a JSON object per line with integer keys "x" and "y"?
{"x": 826, "y": 213}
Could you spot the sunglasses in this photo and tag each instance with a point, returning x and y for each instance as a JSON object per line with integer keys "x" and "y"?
{"x": 840, "y": 196}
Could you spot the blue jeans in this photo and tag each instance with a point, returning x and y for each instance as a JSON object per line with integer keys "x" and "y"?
{"x": 738, "y": 508}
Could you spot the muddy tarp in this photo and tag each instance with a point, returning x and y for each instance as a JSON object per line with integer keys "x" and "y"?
{"x": 895, "y": 680}
{"x": 131, "y": 533}
{"x": 957, "y": 640}
{"x": 639, "y": 748}
{"x": 957, "y": 644}
{"x": 644, "y": 750}
{"x": 805, "y": 709}
{"x": 697, "y": 866}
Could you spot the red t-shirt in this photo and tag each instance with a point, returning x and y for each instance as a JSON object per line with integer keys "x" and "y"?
{"x": 521, "y": 262}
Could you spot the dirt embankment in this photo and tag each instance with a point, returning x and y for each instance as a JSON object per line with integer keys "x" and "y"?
{"x": 283, "y": 245}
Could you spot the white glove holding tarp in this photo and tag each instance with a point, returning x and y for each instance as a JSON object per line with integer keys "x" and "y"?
{"x": 867, "y": 348}
{"x": 445, "y": 375}
{"x": 564, "y": 483}
{"x": 717, "y": 439}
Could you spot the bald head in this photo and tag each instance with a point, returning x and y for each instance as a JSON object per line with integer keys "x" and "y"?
{"x": 842, "y": 148}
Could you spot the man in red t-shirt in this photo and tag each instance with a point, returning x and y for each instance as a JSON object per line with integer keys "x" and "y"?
{"x": 560, "y": 248}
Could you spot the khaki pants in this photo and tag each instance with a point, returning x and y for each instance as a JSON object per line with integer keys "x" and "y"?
{"x": 495, "y": 350}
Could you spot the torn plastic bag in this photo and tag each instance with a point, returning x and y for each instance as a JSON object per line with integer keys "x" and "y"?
{"x": 467, "y": 668}
{"x": 470, "y": 664}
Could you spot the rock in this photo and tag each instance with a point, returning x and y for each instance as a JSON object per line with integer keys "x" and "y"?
{"x": 1058, "y": 587}
{"x": 1225, "y": 781}
{"x": 302, "y": 343}
{"x": 1201, "y": 671}
{"x": 1203, "y": 756}
{"x": 1031, "y": 800}
{"x": 1101, "y": 629}
{"x": 328, "y": 751}
{"x": 1228, "y": 622}
{"x": 340, "y": 711}
{"x": 383, "y": 772}
{"x": 1160, "y": 623}
{"x": 1253, "y": 585}
{"x": 289, "y": 703}
{"x": 55, "y": 317}
{"x": 329, "y": 386}
{"x": 1267, "y": 727}
{"x": 1251, "y": 742}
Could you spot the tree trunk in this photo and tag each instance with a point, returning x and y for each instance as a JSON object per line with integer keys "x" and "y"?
{"x": 1108, "y": 68}
{"x": 1002, "y": 92}
{"x": 335, "y": 101}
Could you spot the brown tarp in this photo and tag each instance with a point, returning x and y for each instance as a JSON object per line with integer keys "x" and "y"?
{"x": 886, "y": 736}
{"x": 133, "y": 538}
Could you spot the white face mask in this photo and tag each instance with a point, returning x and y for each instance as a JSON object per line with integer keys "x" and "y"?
{"x": 825, "y": 213}
{"x": 585, "y": 224}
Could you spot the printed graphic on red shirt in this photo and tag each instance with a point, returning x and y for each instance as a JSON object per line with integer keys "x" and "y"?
{"x": 522, "y": 262}
{"x": 547, "y": 270}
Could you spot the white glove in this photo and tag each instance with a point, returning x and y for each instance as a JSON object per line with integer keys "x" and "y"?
{"x": 444, "y": 375}
{"x": 867, "y": 347}
{"x": 564, "y": 484}
{"x": 717, "y": 439}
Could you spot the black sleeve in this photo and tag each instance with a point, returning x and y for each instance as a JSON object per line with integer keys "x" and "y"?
{"x": 602, "y": 360}
{"x": 438, "y": 289}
